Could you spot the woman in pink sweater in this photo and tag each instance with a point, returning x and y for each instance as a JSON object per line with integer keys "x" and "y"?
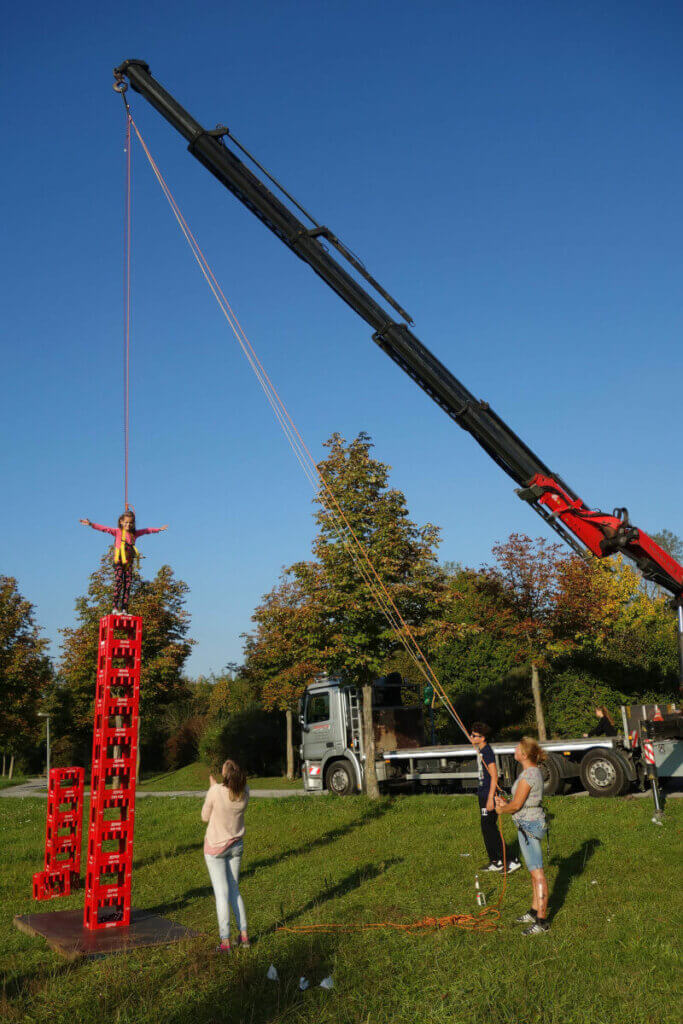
{"x": 223, "y": 809}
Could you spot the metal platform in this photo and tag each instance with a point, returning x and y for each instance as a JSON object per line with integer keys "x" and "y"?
{"x": 64, "y": 932}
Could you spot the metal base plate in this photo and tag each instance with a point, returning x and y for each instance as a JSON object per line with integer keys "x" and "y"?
{"x": 64, "y": 932}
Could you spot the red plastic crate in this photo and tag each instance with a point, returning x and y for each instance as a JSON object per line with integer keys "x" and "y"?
{"x": 63, "y": 829}
{"x": 115, "y": 739}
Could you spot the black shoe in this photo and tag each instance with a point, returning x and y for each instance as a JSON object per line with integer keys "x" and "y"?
{"x": 495, "y": 865}
{"x": 537, "y": 928}
{"x": 528, "y": 917}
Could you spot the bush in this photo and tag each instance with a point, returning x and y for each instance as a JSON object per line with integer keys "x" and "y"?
{"x": 182, "y": 746}
{"x": 253, "y": 737}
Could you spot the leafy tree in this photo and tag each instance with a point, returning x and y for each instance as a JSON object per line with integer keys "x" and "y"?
{"x": 554, "y": 602}
{"x": 25, "y": 671}
{"x": 165, "y": 649}
{"x": 324, "y": 610}
{"x": 285, "y": 651}
{"x": 671, "y": 542}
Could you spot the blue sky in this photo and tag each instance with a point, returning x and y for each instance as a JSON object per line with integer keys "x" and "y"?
{"x": 509, "y": 171}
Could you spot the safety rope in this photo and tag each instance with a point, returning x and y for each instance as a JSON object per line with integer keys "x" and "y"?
{"x": 317, "y": 479}
{"x": 488, "y": 918}
{"x": 127, "y": 240}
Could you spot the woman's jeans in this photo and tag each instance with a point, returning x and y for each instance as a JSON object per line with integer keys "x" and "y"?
{"x": 224, "y": 872}
{"x": 529, "y": 834}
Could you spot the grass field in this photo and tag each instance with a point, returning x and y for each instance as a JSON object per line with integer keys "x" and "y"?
{"x": 16, "y": 780}
{"x": 610, "y": 957}
{"x": 196, "y": 776}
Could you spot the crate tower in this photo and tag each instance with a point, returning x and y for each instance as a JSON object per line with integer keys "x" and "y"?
{"x": 114, "y": 757}
{"x": 62, "y": 835}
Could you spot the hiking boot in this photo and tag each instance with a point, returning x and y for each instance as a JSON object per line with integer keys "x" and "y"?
{"x": 537, "y": 928}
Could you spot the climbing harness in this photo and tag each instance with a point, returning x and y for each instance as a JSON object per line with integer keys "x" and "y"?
{"x": 120, "y": 551}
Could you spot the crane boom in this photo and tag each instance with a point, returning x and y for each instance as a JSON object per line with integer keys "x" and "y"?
{"x": 579, "y": 525}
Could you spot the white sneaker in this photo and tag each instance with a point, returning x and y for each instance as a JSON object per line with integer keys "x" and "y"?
{"x": 514, "y": 865}
{"x": 495, "y": 865}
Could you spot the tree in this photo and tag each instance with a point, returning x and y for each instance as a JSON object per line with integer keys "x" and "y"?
{"x": 671, "y": 542}
{"x": 285, "y": 652}
{"x": 553, "y": 600}
{"x": 25, "y": 671}
{"x": 165, "y": 649}
{"x": 349, "y": 630}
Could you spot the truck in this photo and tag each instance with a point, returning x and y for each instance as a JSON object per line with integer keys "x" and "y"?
{"x": 333, "y": 747}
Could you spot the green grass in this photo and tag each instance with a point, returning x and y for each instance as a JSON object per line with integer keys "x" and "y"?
{"x": 196, "y": 777}
{"x": 16, "y": 780}
{"x": 609, "y": 959}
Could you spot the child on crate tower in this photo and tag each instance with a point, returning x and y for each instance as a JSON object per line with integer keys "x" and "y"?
{"x": 125, "y": 554}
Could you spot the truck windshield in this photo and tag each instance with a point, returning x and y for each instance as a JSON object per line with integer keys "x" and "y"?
{"x": 318, "y": 708}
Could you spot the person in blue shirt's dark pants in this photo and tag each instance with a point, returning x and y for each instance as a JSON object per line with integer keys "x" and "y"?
{"x": 486, "y": 792}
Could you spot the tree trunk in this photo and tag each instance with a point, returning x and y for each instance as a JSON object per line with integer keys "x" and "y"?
{"x": 371, "y": 786}
{"x": 290, "y": 745}
{"x": 538, "y": 705}
{"x": 11, "y": 766}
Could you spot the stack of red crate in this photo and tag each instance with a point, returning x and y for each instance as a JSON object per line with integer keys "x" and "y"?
{"x": 62, "y": 835}
{"x": 112, "y": 793}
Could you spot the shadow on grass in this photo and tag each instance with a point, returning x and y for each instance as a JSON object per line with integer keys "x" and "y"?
{"x": 347, "y": 884}
{"x": 239, "y": 990}
{"x": 373, "y": 813}
{"x": 569, "y": 868}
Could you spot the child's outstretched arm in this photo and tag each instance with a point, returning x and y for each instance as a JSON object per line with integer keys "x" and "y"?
{"x": 151, "y": 529}
{"x": 96, "y": 526}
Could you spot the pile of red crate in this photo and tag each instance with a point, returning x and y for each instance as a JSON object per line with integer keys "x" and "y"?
{"x": 62, "y": 835}
{"x": 112, "y": 799}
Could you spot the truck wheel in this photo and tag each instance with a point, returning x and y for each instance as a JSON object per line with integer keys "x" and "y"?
{"x": 339, "y": 778}
{"x": 553, "y": 782}
{"x": 602, "y": 773}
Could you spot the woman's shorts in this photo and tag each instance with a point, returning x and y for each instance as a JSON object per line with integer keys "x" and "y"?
{"x": 530, "y": 834}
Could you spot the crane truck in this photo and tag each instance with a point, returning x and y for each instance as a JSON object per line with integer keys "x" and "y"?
{"x": 586, "y": 530}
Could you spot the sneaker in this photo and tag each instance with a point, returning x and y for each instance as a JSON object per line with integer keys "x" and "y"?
{"x": 223, "y": 948}
{"x": 528, "y": 917}
{"x": 495, "y": 865}
{"x": 244, "y": 942}
{"x": 537, "y": 928}
{"x": 514, "y": 865}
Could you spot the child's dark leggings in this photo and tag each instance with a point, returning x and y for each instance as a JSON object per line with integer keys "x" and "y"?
{"x": 123, "y": 575}
{"x": 489, "y": 830}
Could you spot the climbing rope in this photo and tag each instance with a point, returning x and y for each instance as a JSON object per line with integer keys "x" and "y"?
{"x": 317, "y": 479}
{"x": 488, "y": 918}
{"x": 121, "y": 87}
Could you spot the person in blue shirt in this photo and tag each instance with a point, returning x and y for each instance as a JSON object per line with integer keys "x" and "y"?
{"x": 486, "y": 792}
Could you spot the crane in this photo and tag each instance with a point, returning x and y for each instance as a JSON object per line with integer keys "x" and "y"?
{"x": 583, "y": 528}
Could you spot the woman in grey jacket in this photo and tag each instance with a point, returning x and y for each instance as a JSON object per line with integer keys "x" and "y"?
{"x": 529, "y": 817}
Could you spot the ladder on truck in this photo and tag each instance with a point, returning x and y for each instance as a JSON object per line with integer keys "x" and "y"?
{"x": 355, "y": 721}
